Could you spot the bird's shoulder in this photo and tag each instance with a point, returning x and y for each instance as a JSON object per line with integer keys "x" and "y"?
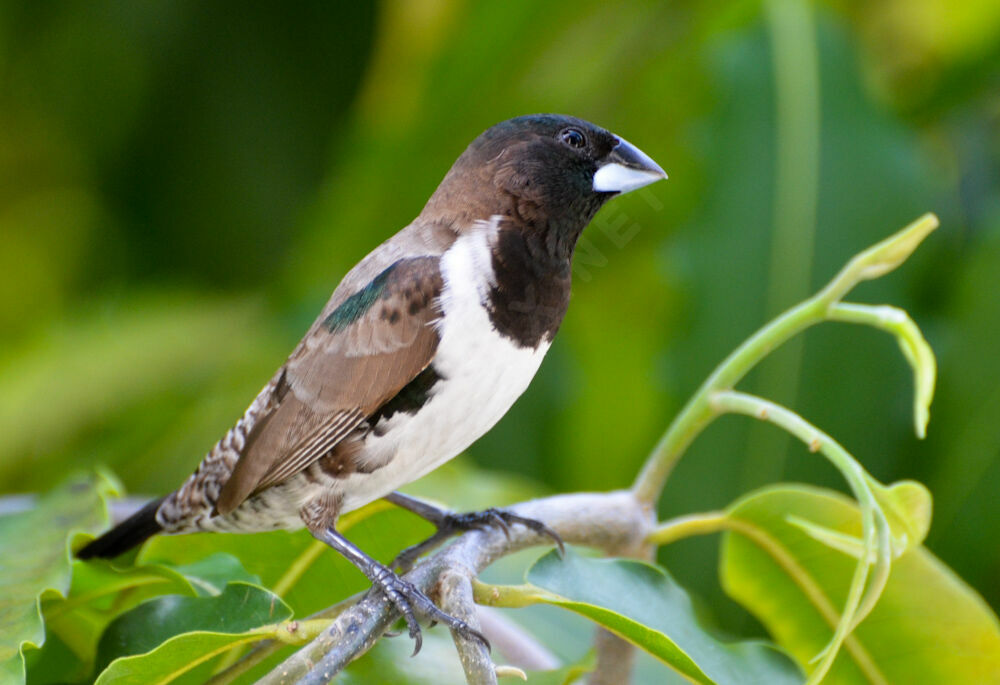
{"x": 418, "y": 239}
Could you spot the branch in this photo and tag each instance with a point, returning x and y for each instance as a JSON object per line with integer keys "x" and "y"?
{"x": 616, "y": 523}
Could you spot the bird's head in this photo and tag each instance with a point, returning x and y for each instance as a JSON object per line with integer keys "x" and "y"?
{"x": 550, "y": 172}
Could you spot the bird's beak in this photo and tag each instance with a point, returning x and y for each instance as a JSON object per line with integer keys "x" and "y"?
{"x": 626, "y": 168}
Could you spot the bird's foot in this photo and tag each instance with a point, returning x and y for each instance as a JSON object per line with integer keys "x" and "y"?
{"x": 403, "y": 594}
{"x": 410, "y": 601}
{"x": 500, "y": 518}
{"x": 450, "y": 523}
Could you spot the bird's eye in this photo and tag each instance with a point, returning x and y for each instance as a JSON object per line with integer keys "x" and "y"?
{"x": 573, "y": 137}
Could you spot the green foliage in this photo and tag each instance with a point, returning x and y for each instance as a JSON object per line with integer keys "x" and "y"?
{"x": 794, "y": 583}
{"x": 159, "y": 640}
{"x": 643, "y": 604}
{"x": 187, "y": 602}
{"x": 36, "y": 564}
{"x": 792, "y": 579}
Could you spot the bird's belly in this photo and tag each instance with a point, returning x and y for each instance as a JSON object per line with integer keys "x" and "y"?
{"x": 482, "y": 375}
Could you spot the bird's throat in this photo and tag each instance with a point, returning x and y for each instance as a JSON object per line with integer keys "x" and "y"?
{"x": 531, "y": 286}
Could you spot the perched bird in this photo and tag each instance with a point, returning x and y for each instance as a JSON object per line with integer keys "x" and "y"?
{"x": 421, "y": 349}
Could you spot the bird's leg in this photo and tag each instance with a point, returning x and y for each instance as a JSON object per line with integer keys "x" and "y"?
{"x": 404, "y": 595}
{"x": 449, "y": 523}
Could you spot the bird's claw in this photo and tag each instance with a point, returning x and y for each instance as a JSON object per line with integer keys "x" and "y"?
{"x": 410, "y": 601}
{"x": 500, "y": 518}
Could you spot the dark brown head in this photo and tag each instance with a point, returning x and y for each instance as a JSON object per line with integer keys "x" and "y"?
{"x": 547, "y": 172}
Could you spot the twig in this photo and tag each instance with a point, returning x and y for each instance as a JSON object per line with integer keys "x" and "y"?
{"x": 615, "y": 658}
{"x": 455, "y": 597}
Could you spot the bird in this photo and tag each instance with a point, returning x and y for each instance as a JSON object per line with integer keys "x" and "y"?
{"x": 422, "y": 347}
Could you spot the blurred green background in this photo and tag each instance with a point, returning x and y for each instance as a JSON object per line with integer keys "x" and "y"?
{"x": 182, "y": 184}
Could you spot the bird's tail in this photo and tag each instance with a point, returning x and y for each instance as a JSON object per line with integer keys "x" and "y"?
{"x": 126, "y": 535}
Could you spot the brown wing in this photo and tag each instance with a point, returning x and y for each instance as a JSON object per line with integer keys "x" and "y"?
{"x": 350, "y": 363}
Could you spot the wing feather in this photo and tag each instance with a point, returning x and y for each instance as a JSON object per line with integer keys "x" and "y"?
{"x": 314, "y": 447}
{"x": 352, "y": 361}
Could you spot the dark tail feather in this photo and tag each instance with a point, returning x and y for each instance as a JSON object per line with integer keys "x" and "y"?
{"x": 126, "y": 535}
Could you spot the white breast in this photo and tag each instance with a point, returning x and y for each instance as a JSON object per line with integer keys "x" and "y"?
{"x": 484, "y": 373}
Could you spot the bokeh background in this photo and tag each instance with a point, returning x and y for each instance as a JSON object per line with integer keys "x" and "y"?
{"x": 182, "y": 184}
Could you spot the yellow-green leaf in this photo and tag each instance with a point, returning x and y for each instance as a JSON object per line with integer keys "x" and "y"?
{"x": 928, "y": 626}
{"x": 164, "y": 638}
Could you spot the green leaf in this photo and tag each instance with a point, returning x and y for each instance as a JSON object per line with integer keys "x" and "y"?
{"x": 886, "y": 255}
{"x": 210, "y": 575}
{"x": 165, "y": 637}
{"x": 55, "y": 663}
{"x": 173, "y": 659}
{"x": 99, "y": 582}
{"x": 34, "y": 559}
{"x": 264, "y": 555}
{"x": 929, "y": 626}
{"x": 907, "y": 505}
{"x": 98, "y": 592}
{"x": 644, "y": 605}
